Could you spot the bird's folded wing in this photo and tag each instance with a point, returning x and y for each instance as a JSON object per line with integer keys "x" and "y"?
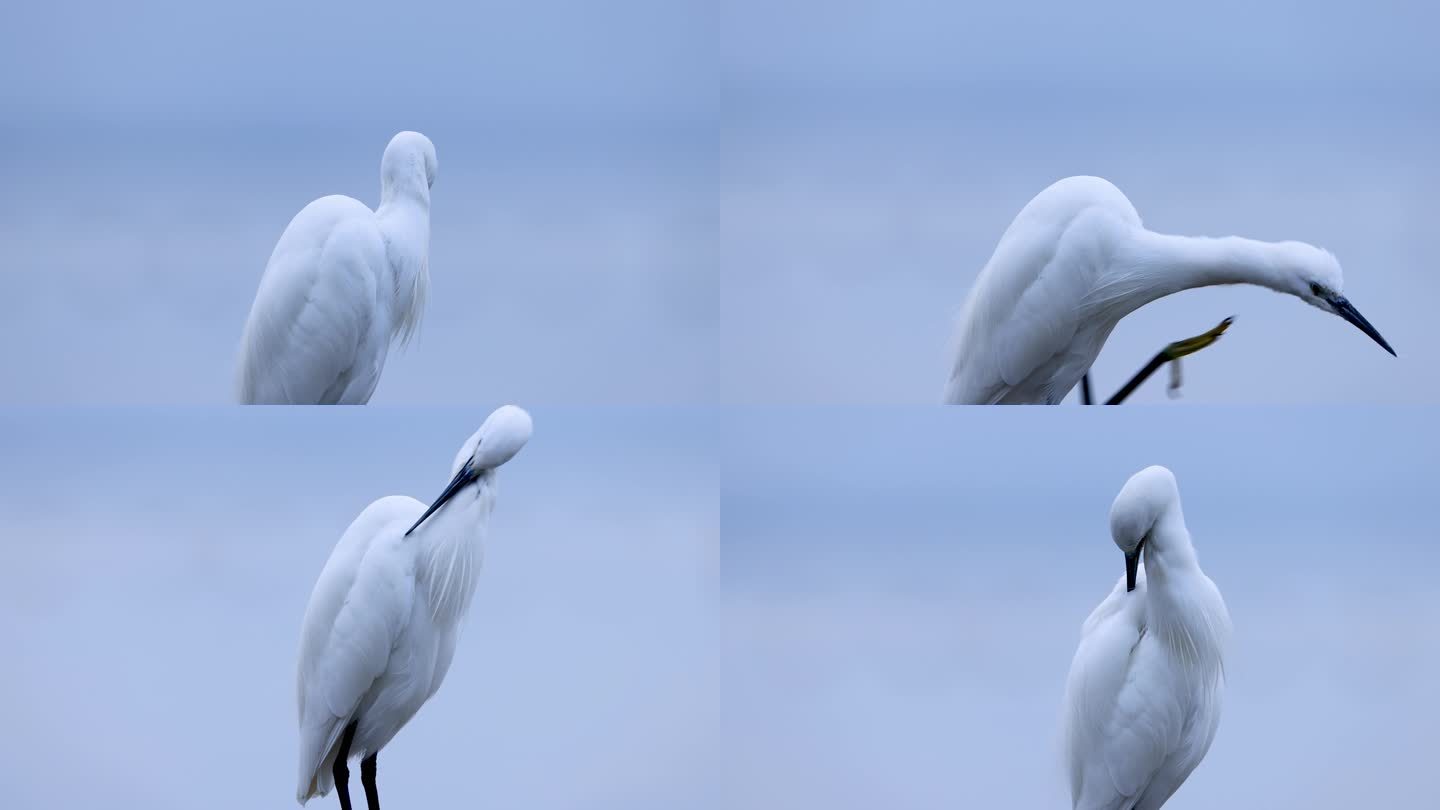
{"x": 358, "y": 648}
{"x": 355, "y": 616}
{"x": 1043, "y": 321}
{"x": 1121, "y": 722}
{"x": 312, "y": 311}
{"x": 1145, "y": 728}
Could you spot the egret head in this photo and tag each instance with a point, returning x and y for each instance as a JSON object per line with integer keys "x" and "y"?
{"x": 409, "y": 160}
{"x": 1133, "y": 515}
{"x": 1313, "y": 276}
{"x": 504, "y": 432}
{"x": 497, "y": 441}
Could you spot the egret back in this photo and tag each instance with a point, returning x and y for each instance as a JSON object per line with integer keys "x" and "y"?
{"x": 320, "y": 325}
{"x": 361, "y": 603}
{"x": 406, "y": 228}
{"x": 1140, "y": 708}
{"x": 1025, "y": 307}
{"x": 1107, "y": 770}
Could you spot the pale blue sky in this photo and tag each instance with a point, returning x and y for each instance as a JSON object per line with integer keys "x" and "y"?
{"x": 904, "y": 588}
{"x": 158, "y": 564}
{"x": 814, "y": 47}
{"x": 328, "y": 62}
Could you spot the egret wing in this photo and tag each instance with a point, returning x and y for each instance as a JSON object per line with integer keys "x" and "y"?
{"x": 359, "y": 607}
{"x": 1119, "y": 726}
{"x": 1042, "y": 324}
{"x": 1021, "y": 315}
{"x": 315, "y": 308}
{"x": 1028, "y": 303}
{"x": 1144, "y": 728}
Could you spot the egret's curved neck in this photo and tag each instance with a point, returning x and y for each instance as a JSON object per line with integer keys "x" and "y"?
{"x": 1181, "y": 606}
{"x": 406, "y": 193}
{"x": 405, "y": 208}
{"x": 404, "y": 217}
{"x": 452, "y": 549}
{"x": 1153, "y": 265}
{"x": 1168, "y": 551}
{"x": 404, "y": 184}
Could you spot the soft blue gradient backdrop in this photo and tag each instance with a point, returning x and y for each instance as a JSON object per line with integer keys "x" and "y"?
{"x": 877, "y": 151}
{"x": 153, "y": 154}
{"x": 158, "y": 563}
{"x": 829, "y": 176}
{"x": 904, "y": 588}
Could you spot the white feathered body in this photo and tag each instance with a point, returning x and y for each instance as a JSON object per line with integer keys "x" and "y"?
{"x": 381, "y": 626}
{"x": 1073, "y": 263}
{"x": 339, "y": 286}
{"x": 1144, "y": 693}
{"x": 1036, "y": 319}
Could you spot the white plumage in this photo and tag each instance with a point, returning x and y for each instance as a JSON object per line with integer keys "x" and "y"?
{"x": 1142, "y": 701}
{"x": 1076, "y": 260}
{"x": 342, "y": 283}
{"x": 380, "y": 629}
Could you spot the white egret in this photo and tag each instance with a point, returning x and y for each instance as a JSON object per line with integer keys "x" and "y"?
{"x": 1143, "y": 697}
{"x": 1076, "y": 260}
{"x": 343, "y": 282}
{"x": 381, "y": 626}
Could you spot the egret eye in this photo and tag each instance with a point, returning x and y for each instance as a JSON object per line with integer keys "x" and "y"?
{"x": 1316, "y": 290}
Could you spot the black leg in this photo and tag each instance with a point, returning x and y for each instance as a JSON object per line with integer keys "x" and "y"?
{"x": 1169, "y": 354}
{"x": 367, "y": 778}
{"x": 1085, "y": 398}
{"x": 1141, "y": 376}
{"x": 341, "y": 770}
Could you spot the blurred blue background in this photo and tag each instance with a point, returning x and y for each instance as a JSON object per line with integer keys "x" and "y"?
{"x": 634, "y": 194}
{"x": 153, "y": 153}
{"x": 875, "y": 152}
{"x": 158, "y": 563}
{"x": 903, "y": 590}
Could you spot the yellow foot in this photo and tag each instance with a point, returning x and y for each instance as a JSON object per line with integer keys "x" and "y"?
{"x": 1180, "y": 348}
{"x": 1171, "y": 354}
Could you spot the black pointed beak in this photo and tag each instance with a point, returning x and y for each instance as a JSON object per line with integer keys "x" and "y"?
{"x": 1132, "y": 565}
{"x": 1346, "y": 310}
{"x": 466, "y": 475}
